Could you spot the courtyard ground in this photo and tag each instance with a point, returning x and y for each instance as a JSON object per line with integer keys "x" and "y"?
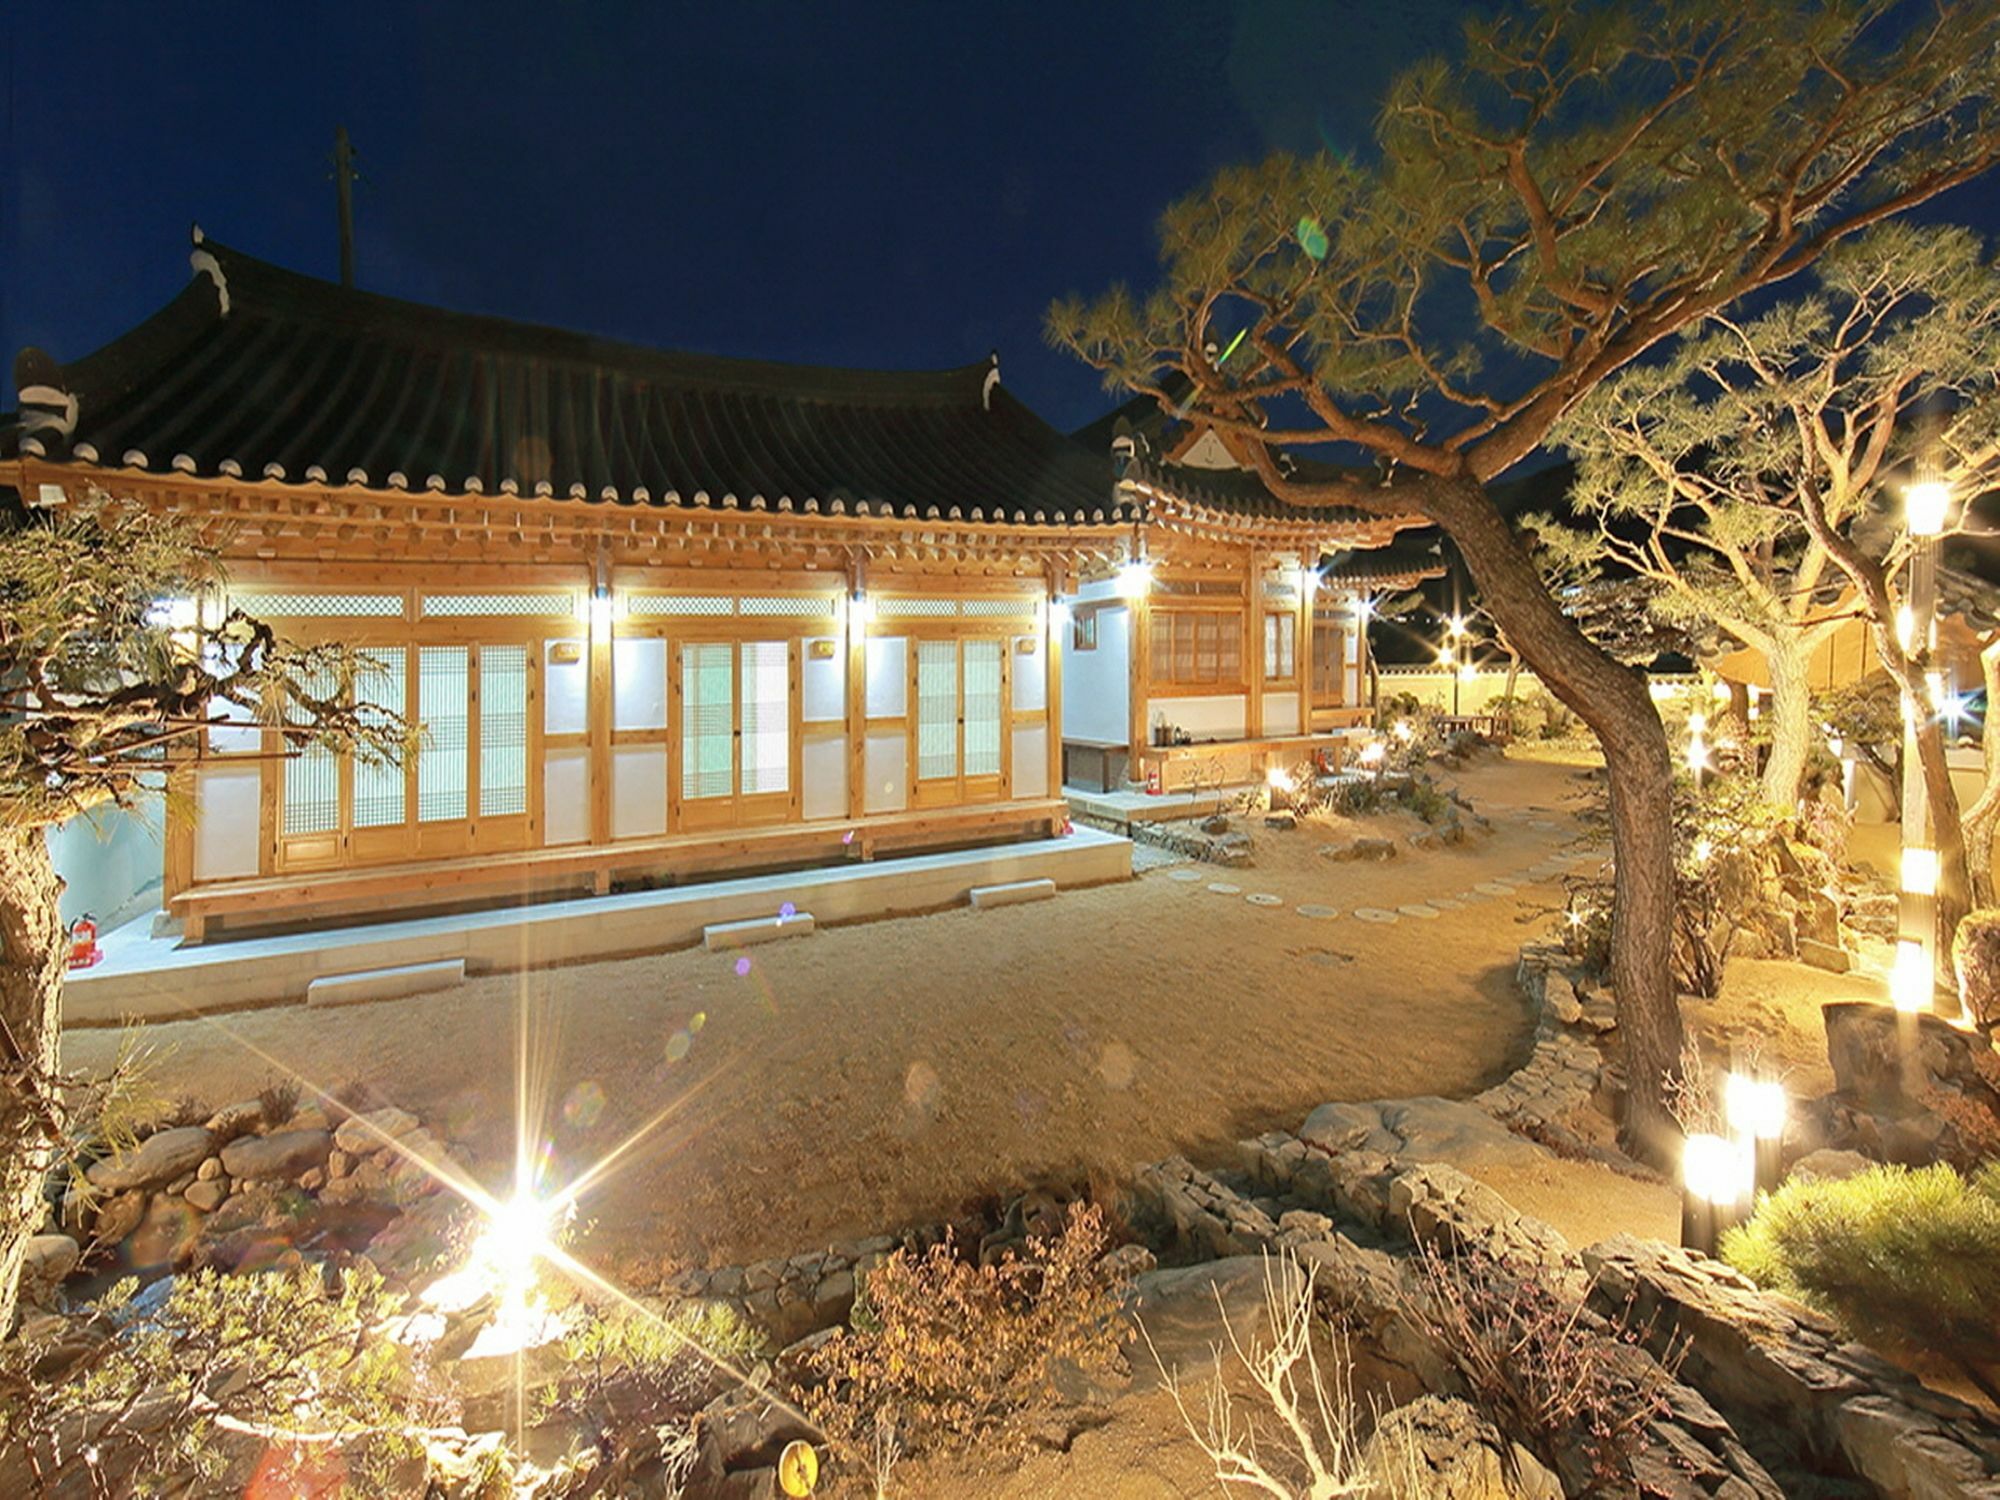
{"x": 887, "y": 1073}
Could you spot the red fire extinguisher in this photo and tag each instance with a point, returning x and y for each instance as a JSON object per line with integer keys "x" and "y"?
{"x": 83, "y": 949}
{"x": 1152, "y": 781}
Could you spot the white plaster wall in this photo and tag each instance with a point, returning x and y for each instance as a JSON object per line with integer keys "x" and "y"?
{"x": 885, "y": 762}
{"x": 823, "y": 683}
{"x": 225, "y": 825}
{"x": 566, "y": 690}
{"x": 566, "y": 797}
{"x": 1096, "y": 696}
{"x": 1031, "y": 675}
{"x": 639, "y": 683}
{"x": 111, "y": 856}
{"x": 1281, "y": 713}
{"x": 1031, "y": 761}
{"x": 823, "y": 768}
{"x": 638, "y": 791}
{"x": 887, "y": 676}
{"x": 1220, "y": 717}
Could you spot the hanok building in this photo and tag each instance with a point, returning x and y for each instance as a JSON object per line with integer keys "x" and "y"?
{"x": 663, "y": 613}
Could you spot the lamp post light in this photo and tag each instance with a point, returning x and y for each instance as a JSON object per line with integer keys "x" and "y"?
{"x": 1756, "y": 1111}
{"x": 1712, "y": 1183}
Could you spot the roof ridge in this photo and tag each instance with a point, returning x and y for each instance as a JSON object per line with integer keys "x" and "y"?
{"x": 253, "y": 284}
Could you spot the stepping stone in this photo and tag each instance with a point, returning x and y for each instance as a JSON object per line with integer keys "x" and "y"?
{"x": 1012, "y": 894}
{"x": 1419, "y": 910}
{"x": 1374, "y": 914}
{"x": 386, "y": 984}
{"x": 718, "y": 936}
{"x": 1446, "y": 903}
{"x": 1319, "y": 911}
{"x": 1262, "y": 898}
{"x": 1543, "y": 823}
{"x": 1465, "y": 898}
{"x": 1224, "y": 888}
{"x": 1495, "y": 888}
{"x": 1183, "y": 874}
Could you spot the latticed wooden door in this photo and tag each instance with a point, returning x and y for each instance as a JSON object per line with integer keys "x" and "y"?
{"x": 735, "y": 744}
{"x": 960, "y": 727}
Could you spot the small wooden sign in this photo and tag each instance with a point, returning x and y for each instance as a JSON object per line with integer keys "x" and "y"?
{"x": 565, "y": 653}
{"x": 822, "y": 650}
{"x": 1025, "y": 646}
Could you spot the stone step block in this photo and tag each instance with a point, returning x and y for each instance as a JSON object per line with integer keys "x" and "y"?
{"x": 1012, "y": 894}
{"x": 719, "y": 936}
{"x": 386, "y": 984}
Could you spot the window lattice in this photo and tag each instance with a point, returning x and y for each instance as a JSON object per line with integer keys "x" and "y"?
{"x": 767, "y": 718}
{"x": 503, "y": 731}
{"x": 997, "y": 609}
{"x": 311, "y": 788}
{"x": 1197, "y": 647}
{"x": 982, "y": 708}
{"x": 708, "y": 714}
{"x": 928, "y": 608}
{"x": 1280, "y": 646}
{"x": 320, "y": 606}
{"x": 380, "y": 791}
{"x": 817, "y": 607}
{"x": 441, "y": 705}
{"x": 438, "y": 606}
{"x": 680, "y": 604}
{"x": 937, "y": 709}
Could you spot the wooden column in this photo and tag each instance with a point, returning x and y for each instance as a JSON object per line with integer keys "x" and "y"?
{"x": 598, "y": 722}
{"x": 1055, "y": 646}
{"x": 177, "y": 873}
{"x": 1139, "y": 645}
{"x": 1302, "y": 651}
{"x": 856, "y": 702}
{"x": 1253, "y": 646}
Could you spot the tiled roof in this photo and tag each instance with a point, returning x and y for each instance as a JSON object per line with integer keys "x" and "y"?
{"x": 1394, "y": 567}
{"x": 259, "y": 373}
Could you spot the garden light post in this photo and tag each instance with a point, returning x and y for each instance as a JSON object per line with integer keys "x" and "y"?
{"x": 1913, "y": 981}
{"x": 1756, "y": 1111}
{"x": 1712, "y": 1184}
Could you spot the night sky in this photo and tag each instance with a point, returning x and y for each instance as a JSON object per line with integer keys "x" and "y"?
{"x": 895, "y": 186}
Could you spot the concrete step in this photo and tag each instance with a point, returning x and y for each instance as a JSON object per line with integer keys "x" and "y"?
{"x": 386, "y": 984}
{"x": 1012, "y": 894}
{"x": 748, "y": 933}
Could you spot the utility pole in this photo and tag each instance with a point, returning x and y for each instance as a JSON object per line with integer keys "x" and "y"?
{"x": 343, "y": 180}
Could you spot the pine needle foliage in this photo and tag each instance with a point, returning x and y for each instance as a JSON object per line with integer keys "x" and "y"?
{"x": 1908, "y": 1260}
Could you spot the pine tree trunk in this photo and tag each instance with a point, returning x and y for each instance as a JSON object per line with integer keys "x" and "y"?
{"x": 1982, "y": 818}
{"x": 1791, "y": 719}
{"x": 33, "y": 954}
{"x": 1612, "y": 699}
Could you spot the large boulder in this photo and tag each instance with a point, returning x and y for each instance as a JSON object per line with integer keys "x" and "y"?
{"x": 1865, "y": 1043}
{"x": 362, "y": 1135}
{"x": 286, "y": 1154}
{"x": 1975, "y": 954}
{"x": 160, "y": 1158}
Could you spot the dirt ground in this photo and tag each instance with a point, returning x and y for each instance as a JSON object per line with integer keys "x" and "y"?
{"x": 889, "y": 1072}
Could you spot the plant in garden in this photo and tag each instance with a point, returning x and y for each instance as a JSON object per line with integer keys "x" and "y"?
{"x": 942, "y": 1351}
{"x": 226, "y": 1370}
{"x": 1906, "y": 1260}
{"x": 112, "y": 672}
{"x": 1584, "y": 182}
{"x": 1574, "y": 1391}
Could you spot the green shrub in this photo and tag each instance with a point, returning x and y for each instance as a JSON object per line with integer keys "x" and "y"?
{"x": 1902, "y": 1259}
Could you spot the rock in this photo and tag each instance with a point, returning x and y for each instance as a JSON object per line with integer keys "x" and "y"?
{"x": 1281, "y": 817}
{"x": 1441, "y": 1448}
{"x": 1818, "y": 921}
{"x": 1864, "y": 1045}
{"x": 1361, "y": 848}
{"x": 362, "y": 1135}
{"x": 1186, "y": 1312}
{"x": 313, "y": 1179}
{"x": 1559, "y": 999}
{"x": 161, "y": 1157}
{"x": 207, "y": 1194}
{"x": 50, "y": 1258}
{"x": 1232, "y": 849}
{"x": 1975, "y": 955}
{"x": 240, "y": 1118}
{"x": 1822, "y": 955}
{"x": 119, "y": 1217}
{"x": 1829, "y": 1166}
{"x": 1219, "y": 824}
{"x": 338, "y": 1163}
{"x": 164, "y": 1236}
{"x": 209, "y": 1170}
{"x": 286, "y": 1154}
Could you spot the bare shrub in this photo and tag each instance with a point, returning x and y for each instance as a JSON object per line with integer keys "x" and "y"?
{"x": 278, "y": 1100}
{"x": 942, "y": 1351}
{"x": 1540, "y": 1367}
{"x": 1301, "y": 1442}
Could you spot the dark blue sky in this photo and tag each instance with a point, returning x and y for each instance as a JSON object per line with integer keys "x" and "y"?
{"x": 897, "y": 185}
{"x": 888, "y": 185}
